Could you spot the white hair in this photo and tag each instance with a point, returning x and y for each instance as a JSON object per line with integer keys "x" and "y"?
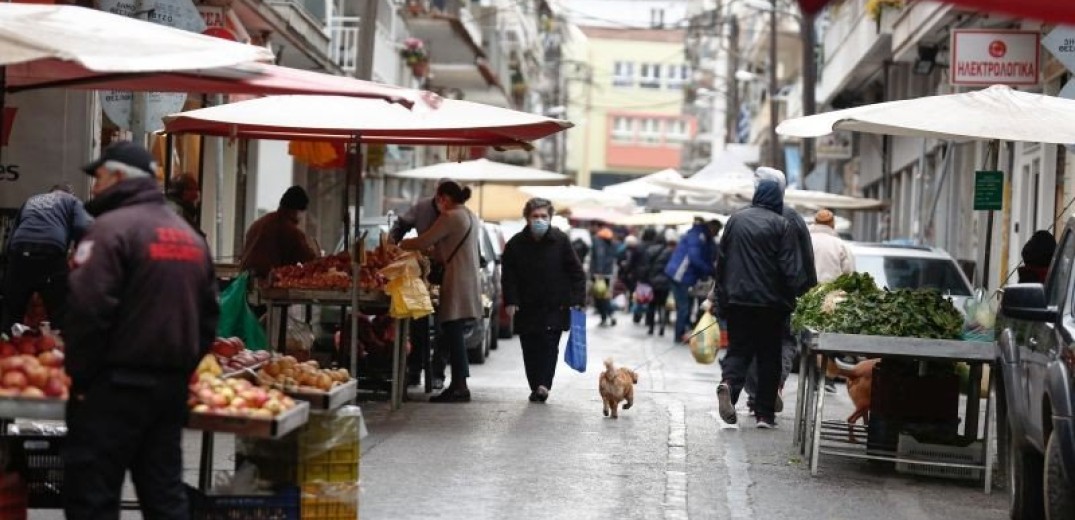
{"x": 765, "y": 173}
{"x": 127, "y": 170}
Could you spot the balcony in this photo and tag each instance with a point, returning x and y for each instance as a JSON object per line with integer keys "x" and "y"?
{"x": 343, "y": 42}
{"x": 855, "y": 47}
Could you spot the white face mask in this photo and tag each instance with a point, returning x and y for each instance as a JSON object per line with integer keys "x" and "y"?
{"x": 539, "y": 227}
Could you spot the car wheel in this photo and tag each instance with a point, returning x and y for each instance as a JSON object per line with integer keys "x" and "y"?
{"x": 1024, "y": 481}
{"x": 1059, "y": 488}
{"x": 477, "y": 355}
{"x": 506, "y": 332}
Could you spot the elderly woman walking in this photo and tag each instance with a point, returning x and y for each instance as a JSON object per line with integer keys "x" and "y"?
{"x": 454, "y": 239}
{"x": 542, "y": 279}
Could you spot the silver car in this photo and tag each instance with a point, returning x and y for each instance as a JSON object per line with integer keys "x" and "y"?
{"x": 913, "y": 267}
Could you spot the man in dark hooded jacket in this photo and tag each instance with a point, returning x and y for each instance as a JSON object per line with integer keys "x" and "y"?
{"x": 758, "y": 274}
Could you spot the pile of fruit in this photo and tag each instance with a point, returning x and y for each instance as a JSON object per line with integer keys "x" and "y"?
{"x": 233, "y": 355}
{"x": 31, "y": 343}
{"x": 38, "y": 376}
{"x": 212, "y": 394}
{"x": 331, "y": 272}
{"x": 370, "y": 277}
{"x": 288, "y": 374}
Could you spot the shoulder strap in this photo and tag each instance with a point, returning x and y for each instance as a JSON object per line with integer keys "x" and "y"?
{"x": 470, "y": 222}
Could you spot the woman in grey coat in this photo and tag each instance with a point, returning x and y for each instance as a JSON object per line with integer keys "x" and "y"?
{"x": 454, "y": 239}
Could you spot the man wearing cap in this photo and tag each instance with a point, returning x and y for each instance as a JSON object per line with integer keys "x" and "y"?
{"x": 276, "y": 239}
{"x": 142, "y": 311}
{"x": 45, "y": 228}
{"x": 831, "y": 255}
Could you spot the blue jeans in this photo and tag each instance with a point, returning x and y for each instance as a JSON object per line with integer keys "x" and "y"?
{"x": 684, "y": 304}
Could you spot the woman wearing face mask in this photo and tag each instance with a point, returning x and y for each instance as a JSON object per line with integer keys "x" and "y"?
{"x": 454, "y": 239}
{"x": 542, "y": 280}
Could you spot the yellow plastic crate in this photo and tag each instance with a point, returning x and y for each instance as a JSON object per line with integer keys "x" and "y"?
{"x": 325, "y": 501}
{"x": 339, "y": 464}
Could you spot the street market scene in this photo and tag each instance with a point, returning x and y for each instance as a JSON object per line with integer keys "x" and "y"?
{"x": 579, "y": 259}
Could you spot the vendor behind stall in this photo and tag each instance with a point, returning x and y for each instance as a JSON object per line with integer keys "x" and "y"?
{"x": 276, "y": 239}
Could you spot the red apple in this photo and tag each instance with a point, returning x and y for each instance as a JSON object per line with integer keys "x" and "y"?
{"x": 55, "y": 387}
{"x": 37, "y": 376}
{"x": 46, "y": 342}
{"x": 31, "y": 391}
{"x": 51, "y": 358}
{"x": 14, "y": 379}
{"x": 27, "y": 345}
{"x": 12, "y": 363}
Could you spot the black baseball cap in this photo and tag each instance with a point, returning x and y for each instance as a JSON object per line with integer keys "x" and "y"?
{"x": 125, "y": 152}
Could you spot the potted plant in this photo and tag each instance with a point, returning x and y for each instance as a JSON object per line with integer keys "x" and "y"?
{"x": 415, "y": 56}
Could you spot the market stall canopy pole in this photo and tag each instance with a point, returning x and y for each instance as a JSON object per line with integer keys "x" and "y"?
{"x": 319, "y": 118}
{"x": 1045, "y": 10}
{"x": 997, "y": 112}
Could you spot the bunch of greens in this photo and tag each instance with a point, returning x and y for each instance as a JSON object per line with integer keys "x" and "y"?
{"x": 920, "y": 313}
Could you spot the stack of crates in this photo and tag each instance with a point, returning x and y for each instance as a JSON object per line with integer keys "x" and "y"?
{"x": 322, "y": 458}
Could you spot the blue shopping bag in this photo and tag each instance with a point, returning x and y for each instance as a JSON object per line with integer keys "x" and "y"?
{"x": 575, "y": 352}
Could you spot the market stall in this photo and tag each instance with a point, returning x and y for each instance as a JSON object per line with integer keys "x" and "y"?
{"x": 356, "y": 122}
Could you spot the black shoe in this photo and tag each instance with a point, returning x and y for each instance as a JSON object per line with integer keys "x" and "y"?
{"x": 724, "y": 404}
{"x": 649, "y": 332}
{"x": 533, "y": 397}
{"x": 613, "y": 322}
{"x": 451, "y": 396}
{"x": 542, "y": 394}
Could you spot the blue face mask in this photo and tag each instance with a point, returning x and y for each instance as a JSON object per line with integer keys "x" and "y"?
{"x": 539, "y": 227}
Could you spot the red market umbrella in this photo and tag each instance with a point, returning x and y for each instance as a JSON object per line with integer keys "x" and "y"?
{"x": 1054, "y": 11}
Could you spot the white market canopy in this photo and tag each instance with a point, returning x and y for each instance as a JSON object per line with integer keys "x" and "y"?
{"x": 820, "y": 199}
{"x": 668, "y": 218}
{"x": 997, "y": 112}
{"x": 576, "y": 197}
{"x": 644, "y": 186}
{"x": 482, "y": 171}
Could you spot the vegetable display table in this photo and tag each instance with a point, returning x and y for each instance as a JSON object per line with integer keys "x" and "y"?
{"x": 809, "y": 413}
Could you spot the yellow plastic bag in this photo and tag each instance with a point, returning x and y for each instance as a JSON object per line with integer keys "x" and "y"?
{"x": 705, "y": 340}
{"x": 404, "y": 266}
{"x": 410, "y": 298}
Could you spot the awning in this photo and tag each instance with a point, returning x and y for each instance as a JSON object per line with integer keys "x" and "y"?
{"x": 1045, "y": 10}
{"x": 249, "y": 78}
{"x": 482, "y": 171}
{"x": 644, "y": 186}
{"x": 341, "y": 118}
{"x": 575, "y": 197}
{"x": 669, "y": 218}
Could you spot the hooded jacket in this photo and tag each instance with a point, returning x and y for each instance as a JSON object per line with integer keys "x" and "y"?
{"x": 143, "y": 293}
{"x": 693, "y": 257}
{"x": 544, "y": 278}
{"x": 758, "y": 261}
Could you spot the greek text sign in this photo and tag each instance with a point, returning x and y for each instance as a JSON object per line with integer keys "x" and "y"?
{"x": 995, "y": 57}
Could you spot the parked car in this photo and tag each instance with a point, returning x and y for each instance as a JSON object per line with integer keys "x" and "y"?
{"x": 1036, "y": 390}
{"x": 913, "y": 267}
{"x": 504, "y": 321}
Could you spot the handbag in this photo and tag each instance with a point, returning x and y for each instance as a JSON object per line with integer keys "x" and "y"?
{"x": 643, "y": 293}
{"x": 436, "y": 269}
{"x": 575, "y": 352}
{"x": 236, "y": 318}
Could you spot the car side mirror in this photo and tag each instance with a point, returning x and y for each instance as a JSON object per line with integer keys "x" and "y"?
{"x": 1026, "y": 301}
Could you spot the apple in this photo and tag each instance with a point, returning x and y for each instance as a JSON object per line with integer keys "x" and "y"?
{"x": 8, "y": 350}
{"x": 51, "y": 358}
{"x": 55, "y": 387}
{"x": 201, "y": 408}
{"x": 46, "y": 342}
{"x": 12, "y": 363}
{"x": 27, "y": 345}
{"x": 14, "y": 379}
{"x": 37, "y": 376}
{"x": 237, "y": 403}
{"x": 218, "y": 401}
{"x": 32, "y": 391}
{"x": 261, "y": 413}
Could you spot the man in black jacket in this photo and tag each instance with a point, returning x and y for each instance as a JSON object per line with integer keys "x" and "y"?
{"x": 758, "y": 274}
{"x": 143, "y": 310}
{"x": 542, "y": 280}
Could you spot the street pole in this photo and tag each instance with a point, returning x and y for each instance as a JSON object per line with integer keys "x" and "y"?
{"x": 774, "y": 145}
{"x": 138, "y": 102}
{"x": 809, "y": 85}
{"x": 367, "y": 39}
{"x": 731, "y": 114}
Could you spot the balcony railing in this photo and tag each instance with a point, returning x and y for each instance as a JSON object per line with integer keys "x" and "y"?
{"x": 343, "y": 42}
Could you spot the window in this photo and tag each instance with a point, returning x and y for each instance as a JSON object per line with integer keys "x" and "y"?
{"x": 676, "y": 131}
{"x": 650, "y": 75}
{"x": 1057, "y": 283}
{"x": 906, "y": 272}
{"x": 651, "y": 131}
{"x": 623, "y": 129}
{"x": 623, "y": 74}
{"x": 677, "y": 75}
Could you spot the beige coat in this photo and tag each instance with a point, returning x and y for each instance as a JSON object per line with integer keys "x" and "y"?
{"x": 460, "y": 294}
{"x": 832, "y": 257}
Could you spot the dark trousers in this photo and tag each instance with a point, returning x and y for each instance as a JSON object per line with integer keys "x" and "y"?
{"x": 789, "y": 347}
{"x": 684, "y": 306}
{"x": 754, "y": 333}
{"x": 451, "y": 339}
{"x": 658, "y": 306}
{"x": 126, "y": 421}
{"x": 540, "y": 353}
{"x": 416, "y": 360}
{"x": 39, "y": 268}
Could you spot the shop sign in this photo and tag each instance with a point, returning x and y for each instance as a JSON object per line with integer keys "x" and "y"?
{"x": 995, "y": 57}
{"x": 1061, "y": 43}
{"x": 180, "y": 14}
{"x": 837, "y": 145}
{"x": 988, "y": 190}
{"x": 216, "y": 22}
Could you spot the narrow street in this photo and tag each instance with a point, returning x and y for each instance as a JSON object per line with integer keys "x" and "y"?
{"x": 501, "y": 456}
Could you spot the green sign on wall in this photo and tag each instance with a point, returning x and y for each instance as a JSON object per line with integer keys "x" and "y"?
{"x": 988, "y": 190}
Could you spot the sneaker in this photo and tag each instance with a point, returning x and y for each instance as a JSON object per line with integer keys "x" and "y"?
{"x": 724, "y": 404}
{"x": 542, "y": 394}
{"x": 764, "y": 424}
